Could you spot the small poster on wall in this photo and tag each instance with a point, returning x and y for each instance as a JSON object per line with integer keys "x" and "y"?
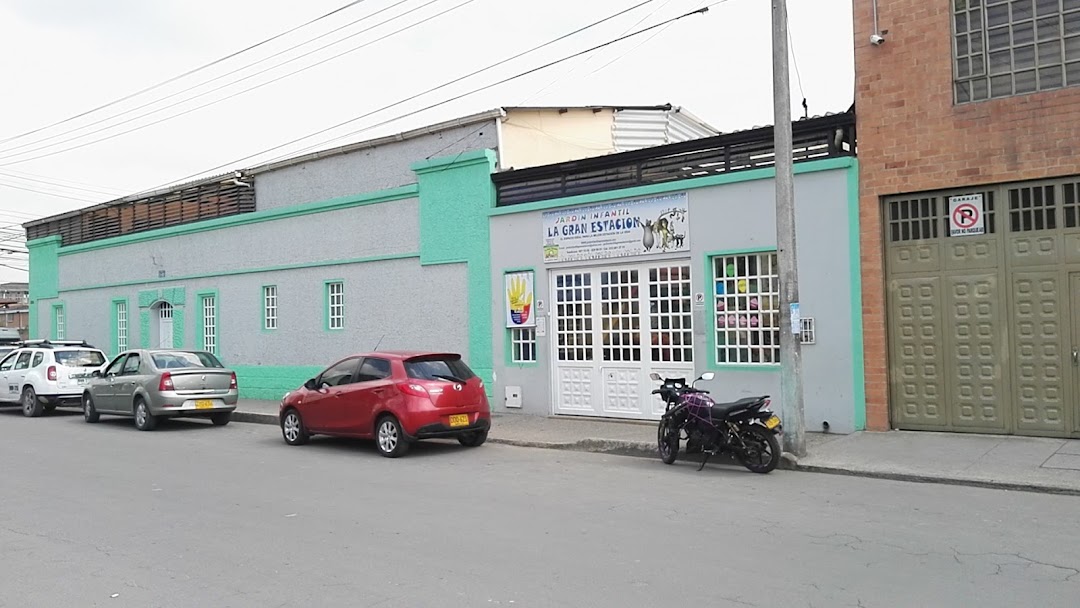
{"x": 518, "y": 299}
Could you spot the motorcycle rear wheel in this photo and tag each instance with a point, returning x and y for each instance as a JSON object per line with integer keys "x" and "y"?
{"x": 762, "y": 452}
{"x": 667, "y": 439}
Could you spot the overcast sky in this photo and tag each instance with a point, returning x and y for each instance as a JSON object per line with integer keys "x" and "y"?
{"x": 60, "y": 58}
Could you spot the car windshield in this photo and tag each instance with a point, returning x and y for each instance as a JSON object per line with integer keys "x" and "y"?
{"x": 79, "y": 358}
{"x": 438, "y": 367}
{"x": 176, "y": 359}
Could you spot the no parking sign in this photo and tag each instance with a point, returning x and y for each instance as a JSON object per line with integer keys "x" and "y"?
{"x": 966, "y": 215}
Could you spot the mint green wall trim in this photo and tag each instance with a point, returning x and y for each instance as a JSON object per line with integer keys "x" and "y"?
{"x": 271, "y": 382}
{"x": 710, "y": 315}
{"x": 58, "y": 310}
{"x": 508, "y": 332}
{"x": 148, "y": 297}
{"x": 114, "y": 325}
{"x": 178, "y": 327}
{"x": 144, "y": 327}
{"x": 44, "y": 276}
{"x": 857, "y": 347}
{"x": 735, "y": 177}
{"x": 456, "y": 195}
{"x": 244, "y": 271}
{"x": 326, "y": 304}
{"x": 200, "y": 320}
{"x": 345, "y": 202}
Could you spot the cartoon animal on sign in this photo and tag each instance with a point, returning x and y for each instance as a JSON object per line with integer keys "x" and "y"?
{"x": 664, "y": 232}
{"x": 648, "y": 239}
{"x": 679, "y": 238}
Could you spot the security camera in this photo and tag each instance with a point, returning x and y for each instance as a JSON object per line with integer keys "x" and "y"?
{"x": 877, "y": 39}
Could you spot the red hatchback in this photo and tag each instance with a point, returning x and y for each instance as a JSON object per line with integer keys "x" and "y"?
{"x": 396, "y": 398}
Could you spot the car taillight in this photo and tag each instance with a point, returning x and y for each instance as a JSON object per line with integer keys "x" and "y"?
{"x": 232, "y": 382}
{"x": 52, "y": 373}
{"x": 414, "y": 390}
{"x": 166, "y": 383}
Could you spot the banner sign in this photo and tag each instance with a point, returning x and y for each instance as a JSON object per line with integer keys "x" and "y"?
{"x": 658, "y": 224}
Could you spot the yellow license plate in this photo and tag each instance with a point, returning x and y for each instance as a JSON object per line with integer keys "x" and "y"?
{"x": 459, "y": 420}
{"x": 772, "y": 423}
{"x": 204, "y": 404}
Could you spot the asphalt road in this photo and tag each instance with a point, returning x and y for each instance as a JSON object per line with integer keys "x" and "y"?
{"x": 193, "y": 515}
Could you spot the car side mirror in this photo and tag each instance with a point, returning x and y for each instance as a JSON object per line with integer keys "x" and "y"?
{"x": 707, "y": 376}
{"x": 310, "y": 385}
{"x": 655, "y": 377}
{"x": 96, "y": 373}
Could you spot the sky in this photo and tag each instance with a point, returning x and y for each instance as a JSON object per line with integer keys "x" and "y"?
{"x": 61, "y": 60}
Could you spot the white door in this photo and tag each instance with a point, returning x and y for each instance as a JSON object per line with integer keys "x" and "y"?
{"x": 165, "y": 325}
{"x": 614, "y": 326}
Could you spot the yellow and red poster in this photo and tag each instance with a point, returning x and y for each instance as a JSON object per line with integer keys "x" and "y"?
{"x": 519, "y": 299}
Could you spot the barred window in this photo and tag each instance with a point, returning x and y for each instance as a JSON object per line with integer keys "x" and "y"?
{"x": 523, "y": 341}
{"x": 747, "y": 304}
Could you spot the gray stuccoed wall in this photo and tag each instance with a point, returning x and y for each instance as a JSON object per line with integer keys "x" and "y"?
{"x": 723, "y": 218}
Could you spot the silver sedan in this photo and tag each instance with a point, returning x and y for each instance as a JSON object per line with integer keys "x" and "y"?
{"x": 151, "y": 384}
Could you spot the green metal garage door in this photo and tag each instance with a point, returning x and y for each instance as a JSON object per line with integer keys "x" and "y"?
{"x": 981, "y": 285}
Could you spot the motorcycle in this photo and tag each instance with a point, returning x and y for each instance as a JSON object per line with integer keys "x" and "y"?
{"x": 746, "y": 428}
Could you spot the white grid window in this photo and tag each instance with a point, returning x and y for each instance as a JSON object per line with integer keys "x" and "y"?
{"x": 335, "y": 300}
{"x": 746, "y": 291}
{"x": 209, "y": 311}
{"x": 1013, "y": 47}
{"x": 121, "y": 327}
{"x": 270, "y": 315}
{"x": 61, "y": 329}
{"x": 523, "y": 340}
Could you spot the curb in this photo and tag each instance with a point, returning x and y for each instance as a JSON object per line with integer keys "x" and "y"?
{"x": 596, "y": 446}
{"x": 254, "y": 418}
{"x": 917, "y": 478}
{"x": 788, "y": 462}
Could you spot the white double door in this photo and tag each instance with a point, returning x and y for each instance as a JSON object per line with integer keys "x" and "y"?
{"x": 612, "y": 327}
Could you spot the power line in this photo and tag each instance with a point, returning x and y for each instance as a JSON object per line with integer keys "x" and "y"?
{"x": 591, "y": 57}
{"x": 798, "y": 75}
{"x": 55, "y": 184}
{"x": 227, "y": 97}
{"x": 216, "y": 78}
{"x": 433, "y": 89}
{"x": 74, "y": 198}
{"x": 503, "y": 81}
{"x": 65, "y": 181}
{"x": 185, "y": 74}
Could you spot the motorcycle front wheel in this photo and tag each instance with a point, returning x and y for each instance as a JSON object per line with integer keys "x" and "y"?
{"x": 667, "y": 438}
{"x": 761, "y": 453}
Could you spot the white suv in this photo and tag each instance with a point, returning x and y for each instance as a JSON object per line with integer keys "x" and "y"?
{"x": 42, "y": 374}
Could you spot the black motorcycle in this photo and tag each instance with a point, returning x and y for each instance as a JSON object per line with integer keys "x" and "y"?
{"x": 745, "y": 428}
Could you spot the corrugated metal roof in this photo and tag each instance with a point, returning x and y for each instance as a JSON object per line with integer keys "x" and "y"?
{"x": 644, "y": 128}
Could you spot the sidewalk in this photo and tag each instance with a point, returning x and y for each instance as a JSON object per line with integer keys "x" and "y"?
{"x": 1014, "y": 463}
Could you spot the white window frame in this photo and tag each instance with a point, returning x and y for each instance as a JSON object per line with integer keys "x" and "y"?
{"x": 121, "y": 327}
{"x": 60, "y": 322}
{"x": 270, "y": 307}
{"x": 744, "y": 317}
{"x": 523, "y": 345}
{"x": 209, "y": 333}
{"x": 335, "y": 305}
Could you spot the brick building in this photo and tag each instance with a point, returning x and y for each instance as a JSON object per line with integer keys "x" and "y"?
{"x": 968, "y": 117}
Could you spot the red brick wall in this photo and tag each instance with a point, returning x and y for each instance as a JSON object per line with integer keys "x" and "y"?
{"x": 912, "y": 138}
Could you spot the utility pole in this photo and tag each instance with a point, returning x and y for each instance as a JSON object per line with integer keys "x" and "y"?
{"x": 791, "y": 391}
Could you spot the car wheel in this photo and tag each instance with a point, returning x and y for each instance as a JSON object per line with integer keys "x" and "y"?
{"x": 144, "y": 420}
{"x": 293, "y": 429}
{"x": 32, "y": 406}
{"x": 474, "y": 439}
{"x": 221, "y": 419}
{"x": 90, "y": 413}
{"x": 390, "y": 438}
